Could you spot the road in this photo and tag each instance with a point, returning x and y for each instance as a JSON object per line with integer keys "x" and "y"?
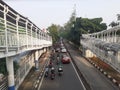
{"x": 95, "y": 78}
{"x": 68, "y": 81}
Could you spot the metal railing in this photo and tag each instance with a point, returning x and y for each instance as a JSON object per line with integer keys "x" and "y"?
{"x": 4, "y": 84}
{"x": 18, "y": 33}
{"x": 104, "y": 45}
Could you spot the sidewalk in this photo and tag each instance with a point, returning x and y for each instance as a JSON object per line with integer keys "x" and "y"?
{"x": 32, "y": 79}
{"x": 106, "y": 69}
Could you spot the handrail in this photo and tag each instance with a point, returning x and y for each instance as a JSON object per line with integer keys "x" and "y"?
{"x": 19, "y": 31}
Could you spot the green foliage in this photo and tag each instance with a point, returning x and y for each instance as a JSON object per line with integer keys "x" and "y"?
{"x": 16, "y": 66}
{"x": 3, "y": 68}
{"x": 112, "y": 24}
{"x": 84, "y": 26}
{"x": 53, "y": 29}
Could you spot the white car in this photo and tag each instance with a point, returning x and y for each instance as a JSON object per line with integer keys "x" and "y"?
{"x": 63, "y": 50}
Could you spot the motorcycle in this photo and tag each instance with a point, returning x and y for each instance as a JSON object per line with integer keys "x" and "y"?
{"x": 46, "y": 74}
{"x": 46, "y": 71}
{"x": 60, "y": 71}
{"x": 50, "y": 64}
{"x": 52, "y": 76}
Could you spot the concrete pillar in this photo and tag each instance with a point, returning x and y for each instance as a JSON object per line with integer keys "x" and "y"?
{"x": 36, "y": 60}
{"x": 10, "y": 69}
{"x": 118, "y": 57}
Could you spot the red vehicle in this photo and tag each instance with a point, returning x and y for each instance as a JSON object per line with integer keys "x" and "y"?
{"x": 65, "y": 59}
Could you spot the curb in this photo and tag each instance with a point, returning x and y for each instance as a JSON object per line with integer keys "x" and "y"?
{"x": 36, "y": 84}
{"x": 105, "y": 73}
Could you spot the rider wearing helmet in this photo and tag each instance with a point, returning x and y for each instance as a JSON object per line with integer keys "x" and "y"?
{"x": 60, "y": 69}
{"x": 52, "y": 70}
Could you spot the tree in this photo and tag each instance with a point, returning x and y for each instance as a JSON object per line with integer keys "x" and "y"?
{"x": 53, "y": 29}
{"x": 85, "y": 25}
{"x": 69, "y": 25}
{"x": 112, "y": 24}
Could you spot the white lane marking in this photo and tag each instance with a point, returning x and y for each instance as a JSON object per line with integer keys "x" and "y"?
{"x": 78, "y": 76}
{"x": 41, "y": 81}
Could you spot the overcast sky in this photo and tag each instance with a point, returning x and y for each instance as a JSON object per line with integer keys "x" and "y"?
{"x": 45, "y": 12}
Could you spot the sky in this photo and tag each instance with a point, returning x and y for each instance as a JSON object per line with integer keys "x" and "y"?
{"x": 43, "y": 13}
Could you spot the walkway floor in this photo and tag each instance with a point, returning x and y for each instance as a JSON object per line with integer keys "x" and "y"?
{"x": 29, "y": 82}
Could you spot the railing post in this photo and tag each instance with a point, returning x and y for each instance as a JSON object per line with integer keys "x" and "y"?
{"x": 31, "y": 35}
{"x": 5, "y": 22}
{"x": 26, "y": 32}
{"x": 18, "y": 43}
{"x": 36, "y": 37}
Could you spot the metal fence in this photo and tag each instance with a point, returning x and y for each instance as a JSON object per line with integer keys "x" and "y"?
{"x": 105, "y": 45}
{"x": 18, "y": 33}
{"x": 4, "y": 84}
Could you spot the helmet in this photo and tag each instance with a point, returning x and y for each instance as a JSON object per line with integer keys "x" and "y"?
{"x": 52, "y": 68}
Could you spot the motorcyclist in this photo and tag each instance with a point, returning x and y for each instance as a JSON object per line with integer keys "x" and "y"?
{"x": 52, "y": 76}
{"x": 46, "y": 71}
{"x": 60, "y": 70}
{"x": 58, "y": 60}
{"x": 52, "y": 70}
{"x": 50, "y": 64}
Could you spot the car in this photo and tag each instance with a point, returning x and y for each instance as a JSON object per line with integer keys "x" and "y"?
{"x": 61, "y": 45}
{"x": 57, "y": 50}
{"x": 65, "y": 59}
{"x": 63, "y": 50}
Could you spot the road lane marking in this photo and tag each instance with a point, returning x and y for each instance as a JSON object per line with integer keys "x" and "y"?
{"x": 78, "y": 76}
{"x": 41, "y": 82}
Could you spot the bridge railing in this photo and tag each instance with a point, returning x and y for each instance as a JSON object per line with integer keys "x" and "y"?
{"x": 18, "y": 33}
{"x": 104, "y": 45}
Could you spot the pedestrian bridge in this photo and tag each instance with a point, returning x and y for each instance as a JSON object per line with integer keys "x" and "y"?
{"x": 105, "y": 45}
{"x": 20, "y": 40}
{"x": 18, "y": 33}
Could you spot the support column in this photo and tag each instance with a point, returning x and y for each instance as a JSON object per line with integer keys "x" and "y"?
{"x": 10, "y": 69}
{"x": 36, "y": 61}
{"x": 5, "y": 23}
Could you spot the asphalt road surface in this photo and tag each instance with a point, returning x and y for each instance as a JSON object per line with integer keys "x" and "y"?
{"x": 68, "y": 81}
